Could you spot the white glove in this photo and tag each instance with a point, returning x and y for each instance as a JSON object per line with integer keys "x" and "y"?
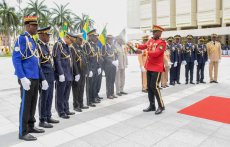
{"x": 99, "y": 71}
{"x": 25, "y": 83}
{"x": 184, "y": 62}
{"x": 45, "y": 85}
{"x": 195, "y": 62}
{"x": 90, "y": 74}
{"x": 115, "y": 63}
{"x": 170, "y": 63}
{"x": 77, "y": 78}
{"x": 61, "y": 78}
{"x": 175, "y": 64}
{"x": 219, "y": 61}
{"x": 143, "y": 69}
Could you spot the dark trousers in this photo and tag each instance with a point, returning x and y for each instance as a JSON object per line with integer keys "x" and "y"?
{"x": 90, "y": 84}
{"x": 28, "y": 106}
{"x": 62, "y": 97}
{"x": 98, "y": 84}
{"x": 200, "y": 72}
{"x": 110, "y": 74}
{"x": 45, "y": 102}
{"x": 78, "y": 92}
{"x": 189, "y": 69}
{"x": 172, "y": 74}
{"x": 177, "y": 72}
{"x": 153, "y": 80}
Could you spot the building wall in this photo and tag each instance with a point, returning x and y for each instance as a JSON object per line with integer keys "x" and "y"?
{"x": 133, "y": 13}
{"x": 146, "y": 13}
{"x": 186, "y": 13}
{"x": 226, "y": 11}
{"x": 208, "y": 12}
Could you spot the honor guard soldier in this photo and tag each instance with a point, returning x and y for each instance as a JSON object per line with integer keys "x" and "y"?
{"x": 189, "y": 57}
{"x": 142, "y": 60}
{"x": 110, "y": 65}
{"x": 47, "y": 78}
{"x": 173, "y": 60}
{"x": 155, "y": 66}
{"x": 90, "y": 50}
{"x": 79, "y": 71}
{"x": 179, "y": 54}
{"x": 26, "y": 64}
{"x": 202, "y": 58}
{"x": 214, "y": 57}
{"x": 64, "y": 76}
{"x": 167, "y": 64}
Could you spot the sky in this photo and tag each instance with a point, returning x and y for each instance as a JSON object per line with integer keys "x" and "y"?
{"x": 110, "y": 12}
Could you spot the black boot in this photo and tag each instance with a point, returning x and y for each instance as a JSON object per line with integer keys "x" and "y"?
{"x": 150, "y": 108}
{"x": 28, "y": 137}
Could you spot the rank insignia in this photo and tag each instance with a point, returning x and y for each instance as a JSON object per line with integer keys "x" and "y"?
{"x": 161, "y": 47}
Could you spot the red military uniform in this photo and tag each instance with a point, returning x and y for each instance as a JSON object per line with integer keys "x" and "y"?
{"x": 155, "y": 54}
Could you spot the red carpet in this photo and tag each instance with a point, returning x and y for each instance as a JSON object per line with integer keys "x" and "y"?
{"x": 212, "y": 108}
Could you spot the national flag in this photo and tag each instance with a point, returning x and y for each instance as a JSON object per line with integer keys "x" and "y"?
{"x": 102, "y": 38}
{"x": 64, "y": 30}
{"x": 85, "y": 28}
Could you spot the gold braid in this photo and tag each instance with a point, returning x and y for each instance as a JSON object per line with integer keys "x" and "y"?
{"x": 79, "y": 57}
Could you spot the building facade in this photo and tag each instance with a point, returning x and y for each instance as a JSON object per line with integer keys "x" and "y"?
{"x": 195, "y": 17}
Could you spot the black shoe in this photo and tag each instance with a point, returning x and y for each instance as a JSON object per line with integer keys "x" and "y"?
{"x": 99, "y": 100}
{"x": 159, "y": 110}
{"x": 123, "y": 93}
{"x": 211, "y": 81}
{"x": 145, "y": 91}
{"x": 215, "y": 82}
{"x": 150, "y": 108}
{"x": 203, "y": 82}
{"x": 28, "y": 137}
{"x": 100, "y": 97}
{"x": 77, "y": 109}
{"x": 119, "y": 94}
{"x": 52, "y": 121}
{"x": 197, "y": 82}
{"x": 92, "y": 105}
{"x": 178, "y": 82}
{"x": 84, "y": 107}
{"x": 45, "y": 125}
{"x": 64, "y": 116}
{"x": 172, "y": 84}
{"x": 36, "y": 130}
{"x": 192, "y": 83}
{"x": 96, "y": 102}
{"x": 186, "y": 82}
{"x": 114, "y": 96}
{"x": 70, "y": 113}
{"x": 167, "y": 85}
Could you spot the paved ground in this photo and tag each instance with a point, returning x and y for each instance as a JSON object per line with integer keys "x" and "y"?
{"x": 121, "y": 122}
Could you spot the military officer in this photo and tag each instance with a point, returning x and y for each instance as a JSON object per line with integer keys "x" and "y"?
{"x": 202, "y": 58}
{"x": 214, "y": 57}
{"x": 173, "y": 60}
{"x": 110, "y": 65}
{"x": 142, "y": 60}
{"x": 64, "y": 76}
{"x": 79, "y": 71}
{"x": 94, "y": 68}
{"x": 47, "y": 76}
{"x": 155, "y": 66}
{"x": 189, "y": 58}
{"x": 179, "y": 53}
{"x": 26, "y": 64}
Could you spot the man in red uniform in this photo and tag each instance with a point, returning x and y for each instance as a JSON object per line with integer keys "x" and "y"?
{"x": 154, "y": 49}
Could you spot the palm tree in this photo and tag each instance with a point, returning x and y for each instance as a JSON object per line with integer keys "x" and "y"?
{"x": 37, "y": 8}
{"x": 80, "y": 21}
{"x": 47, "y": 20}
{"x": 9, "y": 20}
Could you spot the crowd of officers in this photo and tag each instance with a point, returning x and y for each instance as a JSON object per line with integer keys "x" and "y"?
{"x": 190, "y": 55}
{"x": 69, "y": 64}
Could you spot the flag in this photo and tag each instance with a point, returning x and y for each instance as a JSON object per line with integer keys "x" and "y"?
{"x": 102, "y": 38}
{"x": 64, "y": 30}
{"x": 85, "y": 28}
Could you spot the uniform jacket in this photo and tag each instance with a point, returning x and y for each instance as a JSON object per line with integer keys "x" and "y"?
{"x": 202, "y": 55}
{"x": 155, "y": 54}
{"x": 62, "y": 60}
{"x": 179, "y": 52}
{"x": 173, "y": 54}
{"x": 109, "y": 55}
{"x": 121, "y": 54}
{"x": 25, "y": 57}
{"x": 189, "y": 54}
{"x": 214, "y": 51}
